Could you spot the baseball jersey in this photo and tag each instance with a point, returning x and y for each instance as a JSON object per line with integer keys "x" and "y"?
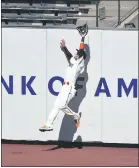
{"x": 75, "y": 66}
{"x": 74, "y": 69}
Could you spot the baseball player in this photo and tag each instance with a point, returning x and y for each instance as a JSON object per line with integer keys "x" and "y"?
{"x": 68, "y": 90}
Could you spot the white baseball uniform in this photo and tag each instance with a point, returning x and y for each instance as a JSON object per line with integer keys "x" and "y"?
{"x": 68, "y": 91}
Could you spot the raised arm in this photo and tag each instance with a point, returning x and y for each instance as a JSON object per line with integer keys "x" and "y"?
{"x": 82, "y": 43}
{"x": 65, "y": 50}
{"x": 81, "y": 52}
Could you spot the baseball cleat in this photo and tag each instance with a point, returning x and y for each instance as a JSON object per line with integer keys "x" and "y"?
{"x": 46, "y": 128}
{"x": 77, "y": 123}
{"x": 77, "y": 120}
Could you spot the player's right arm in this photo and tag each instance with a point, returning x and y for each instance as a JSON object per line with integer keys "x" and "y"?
{"x": 65, "y": 50}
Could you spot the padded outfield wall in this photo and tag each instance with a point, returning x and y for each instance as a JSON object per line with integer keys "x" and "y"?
{"x": 33, "y": 67}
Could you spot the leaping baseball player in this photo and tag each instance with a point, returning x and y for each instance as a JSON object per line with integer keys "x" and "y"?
{"x": 68, "y": 90}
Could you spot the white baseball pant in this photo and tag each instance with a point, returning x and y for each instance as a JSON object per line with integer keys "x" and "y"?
{"x": 65, "y": 95}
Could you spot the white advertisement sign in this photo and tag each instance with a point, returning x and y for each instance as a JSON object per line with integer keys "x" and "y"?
{"x": 23, "y": 83}
{"x": 33, "y": 66}
{"x": 120, "y": 69}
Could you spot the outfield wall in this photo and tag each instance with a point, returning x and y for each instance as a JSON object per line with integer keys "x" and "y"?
{"x": 33, "y": 67}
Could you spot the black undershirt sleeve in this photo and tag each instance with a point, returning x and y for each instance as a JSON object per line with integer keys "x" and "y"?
{"x": 82, "y": 39}
{"x": 67, "y": 53}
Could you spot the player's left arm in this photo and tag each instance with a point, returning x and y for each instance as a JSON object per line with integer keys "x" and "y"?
{"x": 81, "y": 50}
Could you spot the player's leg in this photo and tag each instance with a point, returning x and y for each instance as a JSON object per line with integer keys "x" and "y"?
{"x": 76, "y": 116}
{"x": 67, "y": 110}
{"x": 53, "y": 114}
